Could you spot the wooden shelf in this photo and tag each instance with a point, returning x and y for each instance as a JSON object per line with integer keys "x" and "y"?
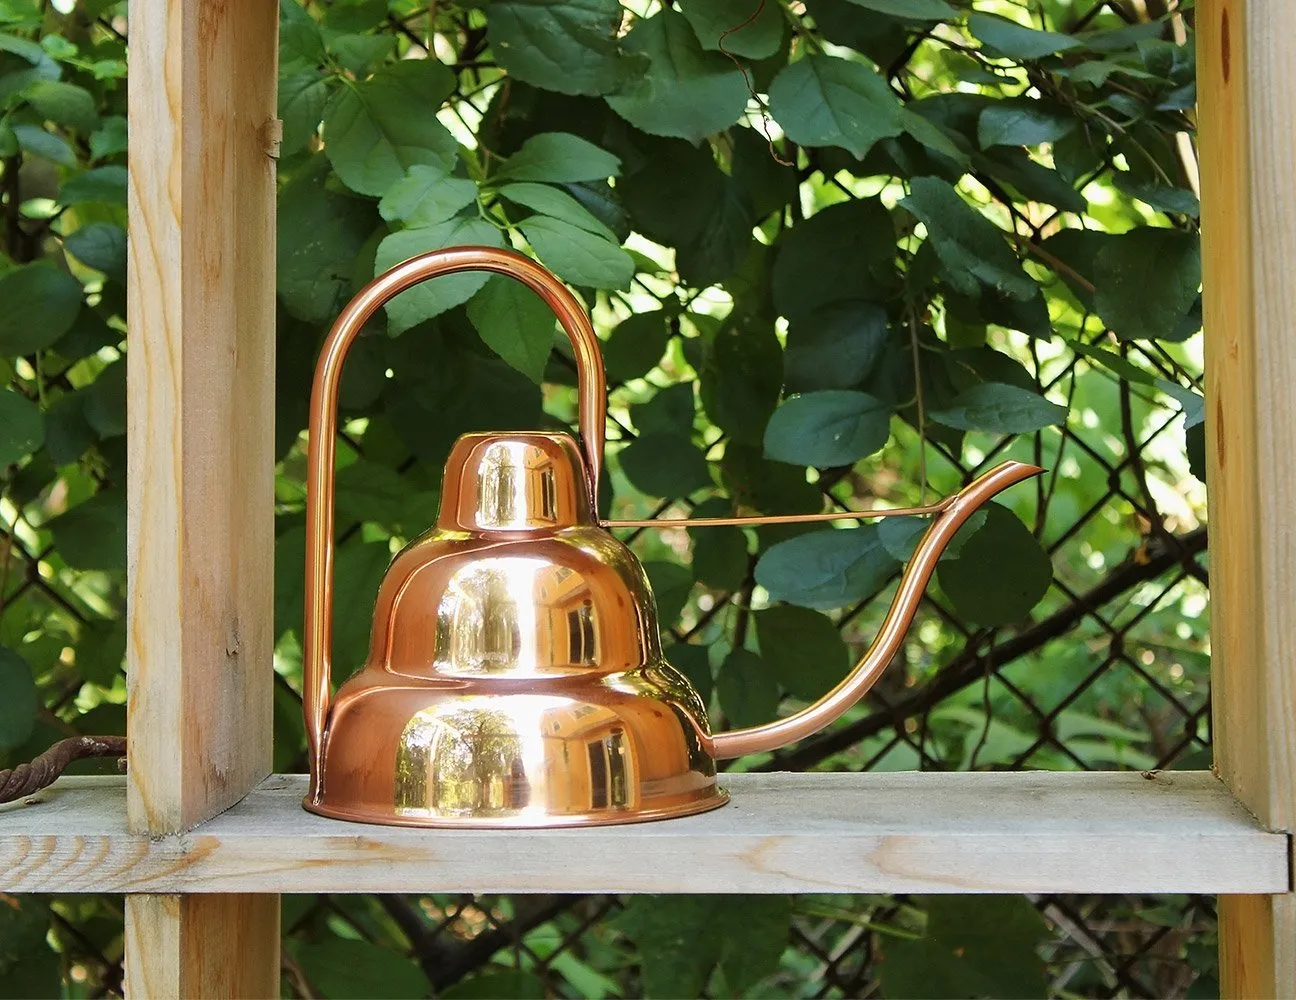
{"x": 900, "y": 832}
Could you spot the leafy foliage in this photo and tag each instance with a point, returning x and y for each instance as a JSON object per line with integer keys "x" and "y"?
{"x": 843, "y": 254}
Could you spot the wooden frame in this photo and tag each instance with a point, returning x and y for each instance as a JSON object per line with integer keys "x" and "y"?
{"x": 201, "y": 468}
{"x": 1247, "y": 95}
{"x": 202, "y": 917}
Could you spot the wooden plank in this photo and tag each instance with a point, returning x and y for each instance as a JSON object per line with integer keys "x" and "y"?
{"x": 1257, "y": 946}
{"x": 201, "y": 406}
{"x": 901, "y": 832}
{"x": 200, "y": 371}
{"x": 183, "y": 956}
{"x": 1247, "y": 95}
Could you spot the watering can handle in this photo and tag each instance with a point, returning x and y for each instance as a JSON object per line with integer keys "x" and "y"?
{"x": 317, "y": 640}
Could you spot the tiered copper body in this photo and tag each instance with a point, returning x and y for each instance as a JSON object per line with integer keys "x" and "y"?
{"x": 515, "y": 675}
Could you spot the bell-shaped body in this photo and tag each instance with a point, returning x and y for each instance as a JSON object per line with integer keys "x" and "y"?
{"x": 515, "y": 675}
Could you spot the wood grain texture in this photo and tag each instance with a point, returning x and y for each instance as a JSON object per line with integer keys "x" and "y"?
{"x": 902, "y": 832}
{"x": 1247, "y": 105}
{"x": 200, "y": 377}
{"x": 201, "y": 407}
{"x": 219, "y": 945}
{"x": 1247, "y": 74}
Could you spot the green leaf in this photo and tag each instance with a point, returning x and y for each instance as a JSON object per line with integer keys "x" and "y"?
{"x": 1022, "y": 122}
{"x": 936, "y": 138}
{"x": 109, "y": 139}
{"x": 825, "y": 101}
{"x": 441, "y": 390}
{"x": 834, "y": 347}
{"x": 768, "y": 184}
{"x": 100, "y": 651}
{"x": 680, "y": 198}
{"x": 828, "y": 428}
{"x": 826, "y": 569}
{"x": 719, "y": 553}
{"x": 681, "y": 939}
{"x": 38, "y": 142}
{"x": 1014, "y": 41}
{"x": 105, "y": 402}
{"x": 302, "y": 98}
{"x": 426, "y": 196}
{"x": 22, "y": 429}
{"x": 557, "y": 204}
{"x": 64, "y": 104}
{"x": 355, "y": 15}
{"x": 1146, "y": 282}
{"x": 370, "y": 491}
{"x": 559, "y": 157}
{"x": 1032, "y": 180}
{"x": 577, "y": 255}
{"x": 106, "y": 185}
{"x": 975, "y": 946}
{"x": 911, "y": 10}
{"x": 671, "y": 584}
{"x": 67, "y": 432}
{"x": 972, "y": 249}
{"x": 18, "y": 700}
{"x": 359, "y": 569}
{"x": 101, "y": 245}
{"x": 513, "y": 985}
{"x": 515, "y": 323}
{"x": 376, "y": 130}
{"x": 741, "y": 376}
{"x": 321, "y": 232}
{"x": 1002, "y": 409}
{"x": 636, "y": 346}
{"x": 665, "y": 465}
{"x": 348, "y": 969}
{"x": 92, "y": 535}
{"x": 565, "y": 45}
{"x": 746, "y": 28}
{"x": 28, "y": 966}
{"x": 300, "y": 42}
{"x": 1177, "y": 201}
{"x": 770, "y": 487}
{"x": 805, "y": 648}
{"x": 40, "y": 305}
{"x": 843, "y": 252}
{"x": 670, "y": 411}
{"x": 1076, "y": 250}
{"x": 1195, "y": 447}
{"x": 432, "y": 298}
{"x": 900, "y": 535}
{"x": 25, "y": 48}
{"x": 358, "y": 53}
{"x": 694, "y": 662}
{"x": 1001, "y": 572}
{"x": 686, "y": 91}
{"x": 749, "y": 695}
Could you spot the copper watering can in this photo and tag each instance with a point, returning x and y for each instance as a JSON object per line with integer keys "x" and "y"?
{"x": 515, "y": 675}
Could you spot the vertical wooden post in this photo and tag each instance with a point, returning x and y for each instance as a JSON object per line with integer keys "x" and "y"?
{"x": 201, "y": 424}
{"x": 1247, "y": 94}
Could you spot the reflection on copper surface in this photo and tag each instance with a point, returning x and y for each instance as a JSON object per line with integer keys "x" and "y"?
{"x": 515, "y": 675}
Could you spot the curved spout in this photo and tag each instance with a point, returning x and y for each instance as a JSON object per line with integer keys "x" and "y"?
{"x": 904, "y": 605}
